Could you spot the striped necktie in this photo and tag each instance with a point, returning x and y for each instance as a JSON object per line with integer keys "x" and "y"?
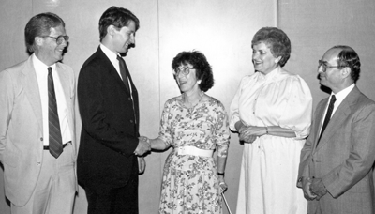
{"x": 55, "y": 139}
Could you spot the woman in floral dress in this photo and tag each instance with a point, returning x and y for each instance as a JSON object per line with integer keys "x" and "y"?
{"x": 194, "y": 125}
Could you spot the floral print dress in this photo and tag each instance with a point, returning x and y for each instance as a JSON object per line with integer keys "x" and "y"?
{"x": 189, "y": 183}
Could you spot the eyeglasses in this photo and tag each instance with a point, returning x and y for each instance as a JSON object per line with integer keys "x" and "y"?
{"x": 325, "y": 66}
{"x": 183, "y": 70}
{"x": 58, "y": 39}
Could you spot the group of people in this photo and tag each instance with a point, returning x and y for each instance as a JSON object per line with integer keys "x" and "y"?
{"x": 271, "y": 111}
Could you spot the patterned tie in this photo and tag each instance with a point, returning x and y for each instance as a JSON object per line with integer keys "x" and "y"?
{"x": 328, "y": 115}
{"x": 55, "y": 139}
{"x": 124, "y": 72}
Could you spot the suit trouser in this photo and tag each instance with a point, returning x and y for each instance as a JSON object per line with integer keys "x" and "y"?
{"x": 122, "y": 200}
{"x": 55, "y": 189}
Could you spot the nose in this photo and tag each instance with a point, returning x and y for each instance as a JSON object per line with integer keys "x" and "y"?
{"x": 64, "y": 43}
{"x": 320, "y": 69}
{"x": 132, "y": 39}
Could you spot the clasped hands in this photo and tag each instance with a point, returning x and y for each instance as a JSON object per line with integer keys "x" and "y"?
{"x": 313, "y": 188}
{"x": 249, "y": 134}
{"x": 143, "y": 146}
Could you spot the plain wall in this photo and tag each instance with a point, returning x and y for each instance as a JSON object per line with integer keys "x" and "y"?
{"x": 222, "y": 30}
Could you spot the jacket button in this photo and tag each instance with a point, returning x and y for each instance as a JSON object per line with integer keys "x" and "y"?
{"x": 41, "y": 139}
{"x": 131, "y": 121}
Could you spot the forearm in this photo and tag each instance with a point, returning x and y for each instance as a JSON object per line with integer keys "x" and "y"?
{"x": 221, "y": 163}
{"x": 278, "y": 131}
{"x": 238, "y": 125}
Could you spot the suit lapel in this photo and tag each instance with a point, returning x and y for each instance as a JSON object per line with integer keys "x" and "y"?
{"x": 30, "y": 83}
{"x": 112, "y": 71}
{"x": 342, "y": 112}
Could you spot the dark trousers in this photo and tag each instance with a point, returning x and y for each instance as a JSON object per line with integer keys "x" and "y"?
{"x": 123, "y": 200}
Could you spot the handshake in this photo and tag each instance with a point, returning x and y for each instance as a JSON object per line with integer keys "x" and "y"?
{"x": 143, "y": 147}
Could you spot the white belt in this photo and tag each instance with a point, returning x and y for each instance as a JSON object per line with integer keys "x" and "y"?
{"x": 195, "y": 151}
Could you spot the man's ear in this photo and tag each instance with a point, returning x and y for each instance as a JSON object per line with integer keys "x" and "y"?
{"x": 38, "y": 41}
{"x": 110, "y": 30}
{"x": 345, "y": 72}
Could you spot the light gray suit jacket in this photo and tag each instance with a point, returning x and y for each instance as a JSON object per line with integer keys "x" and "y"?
{"x": 21, "y": 128}
{"x": 344, "y": 157}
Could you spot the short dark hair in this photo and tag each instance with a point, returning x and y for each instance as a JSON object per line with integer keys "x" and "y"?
{"x": 118, "y": 17}
{"x": 278, "y": 42}
{"x": 200, "y": 63}
{"x": 349, "y": 58}
{"x": 40, "y": 25}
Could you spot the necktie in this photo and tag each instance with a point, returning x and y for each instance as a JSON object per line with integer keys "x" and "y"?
{"x": 55, "y": 139}
{"x": 328, "y": 114}
{"x": 124, "y": 72}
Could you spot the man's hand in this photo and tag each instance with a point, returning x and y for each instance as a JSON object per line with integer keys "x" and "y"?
{"x": 141, "y": 165}
{"x": 317, "y": 187}
{"x": 306, "y": 182}
{"x": 142, "y": 148}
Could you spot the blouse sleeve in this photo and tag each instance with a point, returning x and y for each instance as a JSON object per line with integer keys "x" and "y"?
{"x": 165, "y": 130}
{"x": 297, "y": 114}
{"x": 235, "y": 116}
{"x": 222, "y": 135}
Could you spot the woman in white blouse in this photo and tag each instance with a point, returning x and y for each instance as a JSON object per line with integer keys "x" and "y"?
{"x": 271, "y": 111}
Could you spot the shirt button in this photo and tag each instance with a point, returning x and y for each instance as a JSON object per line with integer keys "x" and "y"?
{"x": 41, "y": 139}
{"x": 38, "y": 163}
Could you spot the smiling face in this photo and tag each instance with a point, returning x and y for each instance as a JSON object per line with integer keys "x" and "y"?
{"x": 47, "y": 50}
{"x": 123, "y": 38}
{"x": 187, "y": 82}
{"x": 263, "y": 59}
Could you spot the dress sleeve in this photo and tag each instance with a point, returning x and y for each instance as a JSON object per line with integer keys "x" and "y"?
{"x": 222, "y": 133}
{"x": 234, "y": 108}
{"x": 297, "y": 114}
{"x": 165, "y": 130}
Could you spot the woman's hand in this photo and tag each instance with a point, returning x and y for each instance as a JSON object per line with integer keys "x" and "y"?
{"x": 223, "y": 186}
{"x": 250, "y": 133}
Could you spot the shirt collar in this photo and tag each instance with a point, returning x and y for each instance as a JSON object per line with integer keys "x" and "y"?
{"x": 343, "y": 93}
{"x": 39, "y": 65}
{"x": 112, "y": 56}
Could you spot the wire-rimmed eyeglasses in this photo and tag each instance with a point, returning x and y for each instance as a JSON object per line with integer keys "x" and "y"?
{"x": 58, "y": 39}
{"x": 324, "y": 66}
{"x": 183, "y": 70}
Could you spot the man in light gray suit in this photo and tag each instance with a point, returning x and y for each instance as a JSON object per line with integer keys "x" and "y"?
{"x": 37, "y": 140}
{"x": 336, "y": 171}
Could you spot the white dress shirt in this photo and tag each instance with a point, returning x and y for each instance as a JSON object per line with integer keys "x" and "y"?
{"x": 340, "y": 96}
{"x": 42, "y": 79}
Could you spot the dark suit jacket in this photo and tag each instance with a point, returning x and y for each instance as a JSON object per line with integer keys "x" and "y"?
{"x": 109, "y": 125}
{"x": 343, "y": 157}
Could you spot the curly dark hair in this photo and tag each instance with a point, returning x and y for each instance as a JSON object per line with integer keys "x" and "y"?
{"x": 200, "y": 63}
{"x": 118, "y": 17}
{"x": 348, "y": 58}
{"x": 278, "y": 42}
{"x": 40, "y": 25}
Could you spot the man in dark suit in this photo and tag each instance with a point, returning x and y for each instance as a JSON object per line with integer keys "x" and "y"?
{"x": 108, "y": 100}
{"x": 37, "y": 137}
{"x": 335, "y": 171}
